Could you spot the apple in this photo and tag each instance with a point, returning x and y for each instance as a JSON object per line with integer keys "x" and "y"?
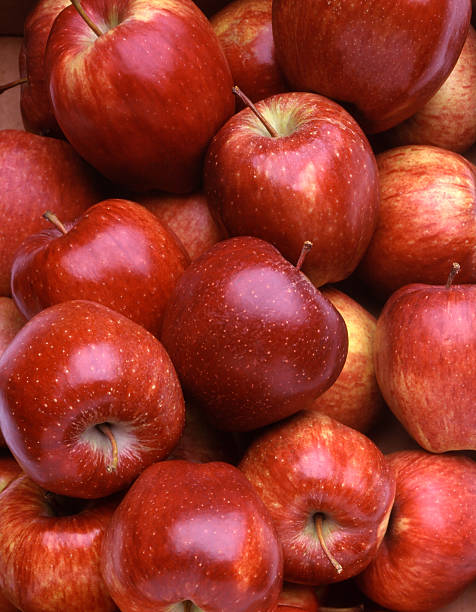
{"x": 192, "y": 537}
{"x": 354, "y": 399}
{"x": 116, "y": 253}
{"x": 295, "y": 597}
{"x": 427, "y": 556}
{"x": 49, "y": 550}
{"x": 252, "y": 339}
{"x": 38, "y": 173}
{"x": 427, "y": 220}
{"x": 88, "y": 399}
{"x": 245, "y": 32}
{"x": 425, "y": 353}
{"x": 448, "y": 119}
{"x": 329, "y": 492}
{"x": 11, "y": 321}
{"x": 9, "y": 470}
{"x": 384, "y": 60}
{"x": 167, "y": 84}
{"x": 315, "y": 179}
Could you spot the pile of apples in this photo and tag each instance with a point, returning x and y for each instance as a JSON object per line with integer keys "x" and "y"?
{"x": 238, "y": 312}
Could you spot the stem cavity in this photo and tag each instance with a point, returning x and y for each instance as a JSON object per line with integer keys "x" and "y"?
{"x": 247, "y": 102}
{"x": 87, "y": 19}
{"x": 105, "y": 429}
{"x": 52, "y": 218}
{"x": 318, "y": 523}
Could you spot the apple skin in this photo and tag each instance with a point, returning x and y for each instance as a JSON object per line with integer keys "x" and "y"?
{"x": 316, "y": 181}
{"x": 252, "y": 339}
{"x": 311, "y": 465}
{"x": 167, "y": 83}
{"x": 50, "y": 561}
{"x": 431, "y": 392}
{"x": 245, "y": 33}
{"x": 448, "y": 119}
{"x": 297, "y": 597}
{"x": 38, "y": 173}
{"x": 188, "y": 532}
{"x": 354, "y": 399}
{"x": 116, "y": 253}
{"x": 426, "y": 193}
{"x": 427, "y": 556}
{"x": 9, "y": 470}
{"x": 385, "y": 61}
{"x": 76, "y": 365}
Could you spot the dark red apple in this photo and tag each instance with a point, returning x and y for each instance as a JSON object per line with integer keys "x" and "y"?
{"x": 191, "y": 536}
{"x": 88, "y": 399}
{"x": 252, "y": 339}
{"x": 383, "y": 59}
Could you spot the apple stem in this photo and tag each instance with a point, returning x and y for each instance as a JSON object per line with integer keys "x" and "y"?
{"x": 335, "y": 563}
{"x": 12, "y": 84}
{"x": 455, "y": 268}
{"x": 52, "y": 218}
{"x": 106, "y": 430}
{"x": 247, "y": 102}
{"x": 306, "y": 247}
{"x": 87, "y": 19}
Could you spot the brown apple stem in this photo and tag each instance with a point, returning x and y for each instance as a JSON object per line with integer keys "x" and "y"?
{"x": 52, "y": 218}
{"x": 87, "y": 19}
{"x": 12, "y": 84}
{"x": 320, "y": 535}
{"x": 455, "y": 268}
{"x": 106, "y": 430}
{"x": 247, "y": 102}
{"x": 306, "y": 247}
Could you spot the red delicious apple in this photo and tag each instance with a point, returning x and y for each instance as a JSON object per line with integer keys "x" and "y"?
{"x": 9, "y": 470}
{"x": 49, "y": 550}
{"x": 167, "y": 84}
{"x": 295, "y": 597}
{"x": 252, "y": 339}
{"x": 191, "y": 537}
{"x": 329, "y": 492}
{"x": 448, "y": 119}
{"x": 245, "y": 32}
{"x": 10, "y": 116}
{"x": 117, "y": 253}
{"x": 384, "y": 59}
{"x": 427, "y": 556}
{"x": 88, "y": 399}
{"x": 315, "y": 179}
{"x": 354, "y": 399}
{"x": 425, "y": 356}
{"x": 189, "y": 217}
{"x": 36, "y": 174}
{"x": 427, "y": 219}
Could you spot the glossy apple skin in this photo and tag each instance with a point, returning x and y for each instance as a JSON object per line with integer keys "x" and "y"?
{"x": 245, "y": 32}
{"x": 48, "y": 561}
{"x": 431, "y": 534}
{"x": 317, "y": 181}
{"x": 426, "y": 193}
{"x": 35, "y": 104}
{"x": 76, "y": 365}
{"x": 117, "y": 253}
{"x": 310, "y": 465}
{"x": 9, "y": 470}
{"x": 431, "y": 392}
{"x": 385, "y": 60}
{"x": 252, "y": 339}
{"x": 188, "y": 532}
{"x": 37, "y": 174}
{"x": 167, "y": 82}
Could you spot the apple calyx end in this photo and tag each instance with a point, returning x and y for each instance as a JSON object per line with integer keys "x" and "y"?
{"x": 247, "y": 102}
{"x": 455, "y": 268}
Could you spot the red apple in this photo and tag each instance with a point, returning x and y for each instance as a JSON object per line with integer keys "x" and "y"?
{"x": 245, "y": 32}
{"x": 296, "y": 597}
{"x": 425, "y": 355}
{"x": 117, "y": 253}
{"x": 385, "y": 60}
{"x": 427, "y": 219}
{"x": 88, "y": 399}
{"x": 329, "y": 492}
{"x": 448, "y": 119}
{"x": 167, "y": 84}
{"x": 37, "y": 174}
{"x": 252, "y": 339}
{"x": 315, "y": 180}
{"x": 427, "y": 556}
{"x": 191, "y": 536}
{"x": 49, "y": 550}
